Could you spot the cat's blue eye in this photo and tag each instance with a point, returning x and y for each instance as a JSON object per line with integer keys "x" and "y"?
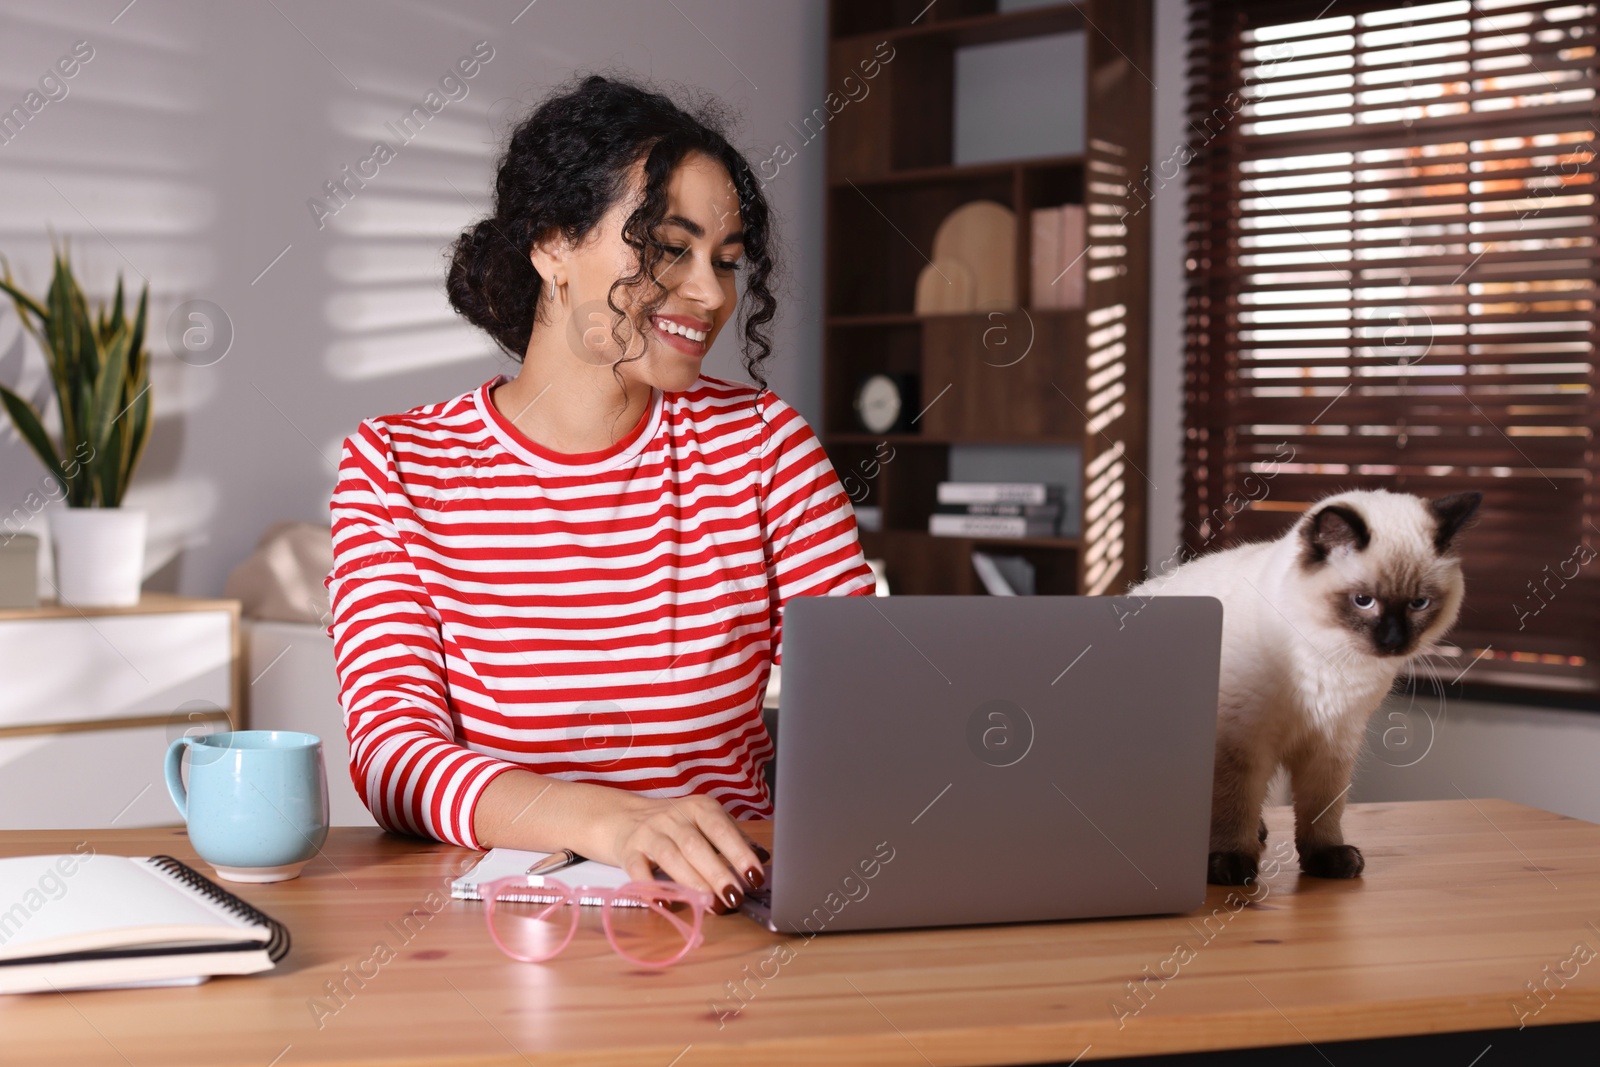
{"x": 1420, "y": 603}
{"x": 1362, "y": 600}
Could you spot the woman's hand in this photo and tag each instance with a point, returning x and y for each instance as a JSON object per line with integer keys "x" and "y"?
{"x": 691, "y": 838}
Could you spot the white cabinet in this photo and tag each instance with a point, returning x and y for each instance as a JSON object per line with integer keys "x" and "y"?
{"x": 90, "y": 698}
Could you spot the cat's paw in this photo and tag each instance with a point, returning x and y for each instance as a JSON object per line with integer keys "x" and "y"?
{"x": 1230, "y": 868}
{"x": 1339, "y": 861}
{"x": 1261, "y": 832}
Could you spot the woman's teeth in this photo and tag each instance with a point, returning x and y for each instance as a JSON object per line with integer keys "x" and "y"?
{"x": 667, "y": 326}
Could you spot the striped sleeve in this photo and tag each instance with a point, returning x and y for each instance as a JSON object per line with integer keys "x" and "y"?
{"x": 810, "y": 524}
{"x": 404, "y": 759}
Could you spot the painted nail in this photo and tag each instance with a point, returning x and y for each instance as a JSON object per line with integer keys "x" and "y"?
{"x": 731, "y": 896}
{"x": 755, "y": 878}
{"x": 766, "y": 857}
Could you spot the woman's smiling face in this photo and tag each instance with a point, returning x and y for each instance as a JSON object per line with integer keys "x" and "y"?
{"x": 701, "y": 246}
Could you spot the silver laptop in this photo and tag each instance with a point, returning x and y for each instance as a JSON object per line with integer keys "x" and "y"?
{"x": 945, "y": 760}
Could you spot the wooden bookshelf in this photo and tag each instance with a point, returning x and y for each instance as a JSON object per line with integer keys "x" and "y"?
{"x": 891, "y": 181}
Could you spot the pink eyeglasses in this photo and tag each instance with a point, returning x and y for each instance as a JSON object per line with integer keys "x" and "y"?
{"x": 653, "y": 924}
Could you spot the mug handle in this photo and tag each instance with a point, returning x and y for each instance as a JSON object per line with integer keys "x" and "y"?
{"x": 180, "y": 796}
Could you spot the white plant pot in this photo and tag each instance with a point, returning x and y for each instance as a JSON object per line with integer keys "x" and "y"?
{"x": 99, "y": 555}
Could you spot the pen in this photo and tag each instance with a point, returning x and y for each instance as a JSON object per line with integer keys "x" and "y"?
{"x": 555, "y": 861}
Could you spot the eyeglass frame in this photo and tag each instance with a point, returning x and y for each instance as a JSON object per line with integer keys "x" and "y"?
{"x": 699, "y": 901}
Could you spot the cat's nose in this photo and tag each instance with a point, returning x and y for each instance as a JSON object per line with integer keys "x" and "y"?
{"x": 1390, "y": 634}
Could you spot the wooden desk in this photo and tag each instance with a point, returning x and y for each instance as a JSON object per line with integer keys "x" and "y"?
{"x": 1463, "y": 903}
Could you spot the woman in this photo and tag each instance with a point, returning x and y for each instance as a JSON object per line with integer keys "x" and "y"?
{"x": 557, "y": 598}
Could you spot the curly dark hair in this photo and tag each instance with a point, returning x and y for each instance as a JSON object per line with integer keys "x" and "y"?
{"x": 565, "y": 165}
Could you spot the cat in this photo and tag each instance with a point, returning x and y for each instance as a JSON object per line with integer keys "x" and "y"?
{"x": 1317, "y": 624}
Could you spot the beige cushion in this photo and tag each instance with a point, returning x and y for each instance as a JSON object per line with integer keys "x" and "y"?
{"x": 282, "y": 579}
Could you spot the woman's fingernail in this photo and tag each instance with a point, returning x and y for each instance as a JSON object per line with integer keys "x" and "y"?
{"x": 731, "y": 896}
{"x": 766, "y": 857}
{"x": 755, "y": 878}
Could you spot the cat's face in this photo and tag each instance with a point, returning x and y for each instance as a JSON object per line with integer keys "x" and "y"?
{"x": 1383, "y": 566}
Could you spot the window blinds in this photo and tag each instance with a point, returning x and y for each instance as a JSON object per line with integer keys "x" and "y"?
{"x": 1391, "y": 260}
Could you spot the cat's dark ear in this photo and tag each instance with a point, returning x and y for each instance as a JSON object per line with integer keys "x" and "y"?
{"x": 1450, "y": 514}
{"x": 1333, "y": 526}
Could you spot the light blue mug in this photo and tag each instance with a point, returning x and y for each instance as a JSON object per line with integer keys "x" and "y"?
{"x": 257, "y": 801}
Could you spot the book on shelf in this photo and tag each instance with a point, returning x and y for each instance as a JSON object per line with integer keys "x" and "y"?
{"x": 1057, "y": 269}
{"x": 989, "y": 526}
{"x": 1051, "y": 510}
{"x": 1000, "y": 493}
{"x": 93, "y": 921}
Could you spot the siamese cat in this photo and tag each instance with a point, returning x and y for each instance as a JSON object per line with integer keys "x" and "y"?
{"x": 1316, "y": 626}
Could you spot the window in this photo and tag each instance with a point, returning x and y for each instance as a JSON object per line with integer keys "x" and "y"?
{"x": 1391, "y": 284}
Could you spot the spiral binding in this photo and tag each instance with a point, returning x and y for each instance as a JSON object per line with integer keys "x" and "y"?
{"x": 277, "y": 946}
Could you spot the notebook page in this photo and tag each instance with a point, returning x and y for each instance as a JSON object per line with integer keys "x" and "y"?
{"x": 102, "y": 901}
{"x": 503, "y": 862}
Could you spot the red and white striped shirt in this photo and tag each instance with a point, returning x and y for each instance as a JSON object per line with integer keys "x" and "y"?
{"x": 607, "y": 616}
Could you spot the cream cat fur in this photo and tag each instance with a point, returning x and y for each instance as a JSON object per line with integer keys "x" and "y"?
{"x": 1316, "y": 626}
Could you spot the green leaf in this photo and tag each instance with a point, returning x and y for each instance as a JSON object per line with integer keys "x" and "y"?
{"x": 83, "y": 407}
{"x": 138, "y": 434}
{"x": 108, "y": 388}
{"x": 137, "y": 396}
{"x": 32, "y": 430}
{"x": 139, "y": 369}
{"x": 24, "y": 302}
{"x": 108, "y": 471}
{"x": 58, "y": 334}
{"x": 116, "y": 312}
{"x": 87, "y": 348}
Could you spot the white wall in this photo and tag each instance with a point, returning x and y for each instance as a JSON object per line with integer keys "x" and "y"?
{"x": 186, "y": 151}
{"x": 1537, "y": 756}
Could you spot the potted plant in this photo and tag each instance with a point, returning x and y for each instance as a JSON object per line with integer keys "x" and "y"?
{"x": 101, "y": 374}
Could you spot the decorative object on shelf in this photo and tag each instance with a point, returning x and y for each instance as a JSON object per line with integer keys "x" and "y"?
{"x": 886, "y": 402}
{"x": 944, "y": 288}
{"x": 869, "y": 517}
{"x": 980, "y": 236}
{"x": 19, "y": 572}
{"x": 880, "y": 571}
{"x": 100, "y": 370}
{"x": 1057, "y": 269}
{"x": 1004, "y": 575}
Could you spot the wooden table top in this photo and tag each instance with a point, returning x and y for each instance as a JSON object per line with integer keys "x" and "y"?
{"x": 1462, "y": 904}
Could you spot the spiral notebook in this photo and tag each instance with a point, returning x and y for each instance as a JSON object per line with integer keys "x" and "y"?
{"x": 92, "y": 921}
{"x": 503, "y": 862}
